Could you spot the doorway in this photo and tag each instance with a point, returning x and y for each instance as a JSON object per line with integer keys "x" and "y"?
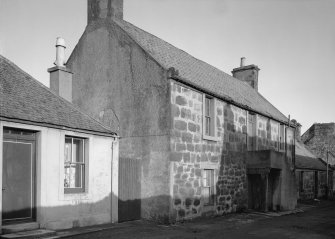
{"x": 18, "y": 178}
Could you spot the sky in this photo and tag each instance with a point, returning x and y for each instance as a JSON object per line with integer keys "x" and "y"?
{"x": 291, "y": 41}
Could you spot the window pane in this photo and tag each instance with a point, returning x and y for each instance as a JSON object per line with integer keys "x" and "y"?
{"x": 208, "y": 107}
{"x": 211, "y": 177}
{"x": 67, "y": 176}
{"x": 68, "y": 151}
{"x": 207, "y": 125}
{"x": 78, "y": 150}
{"x": 210, "y": 126}
{"x": 206, "y": 195}
{"x": 205, "y": 179}
{"x": 209, "y": 116}
{"x": 78, "y": 175}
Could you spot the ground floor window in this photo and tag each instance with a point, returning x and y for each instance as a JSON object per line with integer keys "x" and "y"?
{"x": 208, "y": 192}
{"x": 74, "y": 165}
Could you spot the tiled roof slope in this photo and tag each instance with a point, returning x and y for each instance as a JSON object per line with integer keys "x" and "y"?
{"x": 24, "y": 98}
{"x": 201, "y": 74}
{"x": 309, "y": 163}
{"x": 300, "y": 149}
{"x": 305, "y": 159}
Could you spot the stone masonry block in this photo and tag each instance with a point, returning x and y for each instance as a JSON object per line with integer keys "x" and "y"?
{"x": 187, "y": 137}
{"x": 187, "y": 157}
{"x": 180, "y": 125}
{"x": 192, "y": 127}
{"x": 180, "y": 147}
{"x": 180, "y": 100}
{"x": 185, "y": 113}
{"x": 175, "y": 111}
{"x": 190, "y": 147}
{"x": 177, "y": 157}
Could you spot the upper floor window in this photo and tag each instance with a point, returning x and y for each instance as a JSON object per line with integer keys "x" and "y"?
{"x": 251, "y": 139}
{"x": 74, "y": 165}
{"x": 209, "y": 118}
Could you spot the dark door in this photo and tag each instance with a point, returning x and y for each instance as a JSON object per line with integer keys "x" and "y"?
{"x": 129, "y": 189}
{"x": 18, "y": 175}
{"x": 257, "y": 192}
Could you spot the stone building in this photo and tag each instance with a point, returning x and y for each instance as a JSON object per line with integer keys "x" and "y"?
{"x": 310, "y": 174}
{"x": 185, "y": 127}
{"x": 56, "y": 161}
{"x": 320, "y": 139}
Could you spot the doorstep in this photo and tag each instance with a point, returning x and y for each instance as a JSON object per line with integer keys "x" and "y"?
{"x": 39, "y": 233}
{"x": 20, "y": 227}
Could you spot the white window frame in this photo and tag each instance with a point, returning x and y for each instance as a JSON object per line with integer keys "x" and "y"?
{"x": 212, "y": 117}
{"x": 83, "y": 163}
{"x": 212, "y": 188}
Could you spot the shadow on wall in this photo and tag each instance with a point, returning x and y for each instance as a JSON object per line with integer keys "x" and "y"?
{"x": 231, "y": 186}
{"x": 81, "y": 214}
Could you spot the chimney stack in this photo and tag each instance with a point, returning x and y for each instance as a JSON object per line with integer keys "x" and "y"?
{"x": 297, "y": 130}
{"x": 248, "y": 73}
{"x": 60, "y": 76}
{"x": 104, "y": 9}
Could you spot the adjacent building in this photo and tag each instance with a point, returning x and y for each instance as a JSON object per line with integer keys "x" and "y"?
{"x": 59, "y": 165}
{"x": 320, "y": 139}
{"x": 310, "y": 174}
{"x": 193, "y": 139}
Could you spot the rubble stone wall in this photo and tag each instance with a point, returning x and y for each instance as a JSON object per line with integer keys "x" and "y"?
{"x": 191, "y": 154}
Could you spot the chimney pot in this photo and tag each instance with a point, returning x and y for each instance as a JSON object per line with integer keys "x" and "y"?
{"x": 242, "y": 61}
{"x": 60, "y": 52}
{"x": 60, "y": 76}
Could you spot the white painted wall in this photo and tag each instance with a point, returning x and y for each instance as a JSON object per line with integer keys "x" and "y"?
{"x": 57, "y": 210}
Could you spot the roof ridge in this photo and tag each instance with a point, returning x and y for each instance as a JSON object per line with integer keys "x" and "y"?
{"x": 69, "y": 104}
{"x": 119, "y": 20}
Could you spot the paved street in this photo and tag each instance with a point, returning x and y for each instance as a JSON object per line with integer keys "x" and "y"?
{"x": 315, "y": 222}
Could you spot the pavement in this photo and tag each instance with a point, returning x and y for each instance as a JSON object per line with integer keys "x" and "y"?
{"x": 311, "y": 220}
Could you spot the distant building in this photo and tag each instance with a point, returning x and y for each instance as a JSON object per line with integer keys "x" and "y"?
{"x": 311, "y": 174}
{"x": 320, "y": 139}
{"x": 194, "y": 140}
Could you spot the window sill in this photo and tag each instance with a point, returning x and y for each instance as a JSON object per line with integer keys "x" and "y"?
{"x": 208, "y": 208}
{"x": 210, "y": 138}
{"x": 74, "y": 191}
{"x": 76, "y": 196}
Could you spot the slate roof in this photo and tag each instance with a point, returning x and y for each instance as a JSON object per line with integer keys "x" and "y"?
{"x": 200, "y": 74}
{"x": 25, "y": 99}
{"x": 304, "y": 159}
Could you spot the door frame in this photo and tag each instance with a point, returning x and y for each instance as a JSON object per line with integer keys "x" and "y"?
{"x": 26, "y": 139}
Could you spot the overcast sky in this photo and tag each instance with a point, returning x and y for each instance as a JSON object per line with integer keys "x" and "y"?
{"x": 292, "y": 41}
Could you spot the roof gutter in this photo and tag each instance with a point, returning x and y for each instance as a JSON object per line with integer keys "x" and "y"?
{"x": 28, "y": 122}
